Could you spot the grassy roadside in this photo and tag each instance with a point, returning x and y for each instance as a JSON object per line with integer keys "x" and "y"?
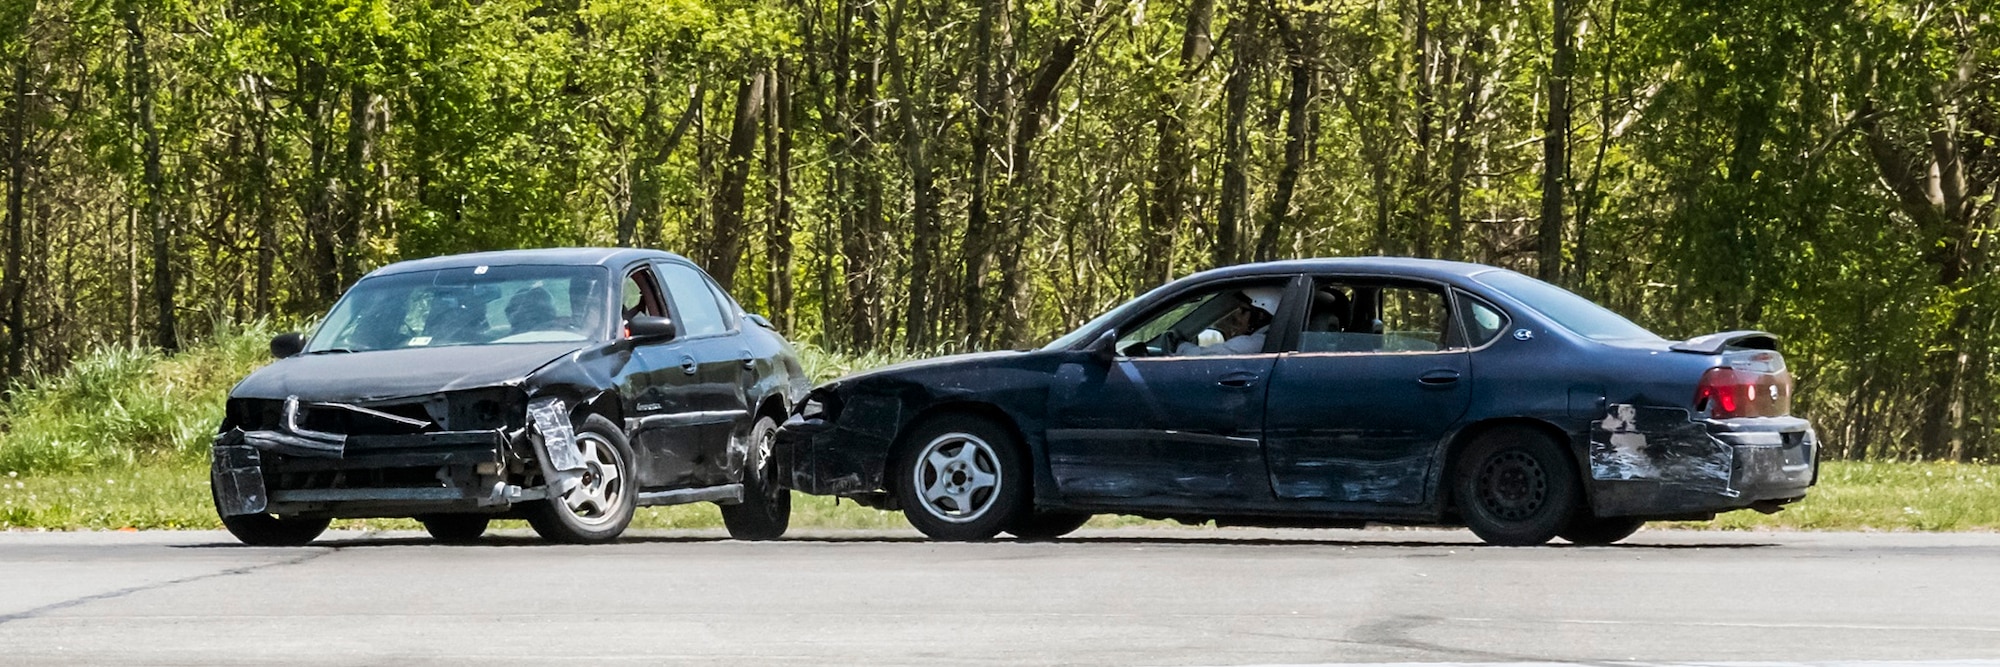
{"x": 121, "y": 440}
{"x": 1851, "y": 496}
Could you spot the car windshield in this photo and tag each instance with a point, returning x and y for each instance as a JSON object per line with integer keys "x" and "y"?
{"x": 1568, "y": 310}
{"x": 486, "y": 305}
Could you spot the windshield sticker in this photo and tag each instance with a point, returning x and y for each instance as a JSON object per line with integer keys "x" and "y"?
{"x": 420, "y": 341}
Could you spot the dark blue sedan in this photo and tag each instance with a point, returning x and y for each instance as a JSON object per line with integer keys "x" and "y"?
{"x": 1322, "y": 393}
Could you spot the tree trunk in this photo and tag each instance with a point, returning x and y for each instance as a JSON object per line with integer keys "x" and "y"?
{"x": 1555, "y": 145}
{"x": 1297, "y": 106}
{"x": 1170, "y": 167}
{"x": 1235, "y": 144}
{"x": 923, "y": 215}
{"x": 726, "y": 249}
{"x": 995, "y": 100}
{"x": 152, "y": 183}
{"x": 359, "y": 192}
{"x": 644, "y": 203}
{"x": 1036, "y": 107}
{"x": 778, "y": 176}
{"x": 18, "y": 162}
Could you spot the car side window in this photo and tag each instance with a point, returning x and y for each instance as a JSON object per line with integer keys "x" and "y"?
{"x": 1483, "y": 322}
{"x": 641, "y": 295}
{"x": 695, "y": 307}
{"x": 1234, "y": 319}
{"x": 1359, "y": 317}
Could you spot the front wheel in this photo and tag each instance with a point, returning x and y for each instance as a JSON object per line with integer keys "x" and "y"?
{"x": 599, "y": 508}
{"x": 766, "y": 509}
{"x": 1515, "y": 487}
{"x": 1597, "y": 531}
{"x": 961, "y": 478}
{"x": 266, "y": 530}
{"x": 270, "y": 530}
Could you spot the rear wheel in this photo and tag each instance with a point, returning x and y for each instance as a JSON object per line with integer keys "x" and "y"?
{"x": 599, "y": 508}
{"x": 766, "y": 509}
{"x": 1589, "y": 530}
{"x": 1039, "y": 525}
{"x": 455, "y": 528}
{"x": 962, "y": 478}
{"x": 1515, "y": 487}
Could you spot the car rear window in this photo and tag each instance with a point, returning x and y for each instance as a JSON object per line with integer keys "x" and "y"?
{"x": 1568, "y": 310}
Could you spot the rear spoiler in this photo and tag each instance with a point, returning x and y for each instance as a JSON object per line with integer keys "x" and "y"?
{"x": 1715, "y": 343}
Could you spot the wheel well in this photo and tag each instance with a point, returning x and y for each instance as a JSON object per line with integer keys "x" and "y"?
{"x": 773, "y": 407}
{"x": 1469, "y": 434}
{"x": 985, "y": 411}
{"x": 605, "y": 404}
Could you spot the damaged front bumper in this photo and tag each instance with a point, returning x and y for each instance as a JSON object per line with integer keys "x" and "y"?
{"x": 389, "y": 475}
{"x": 812, "y": 455}
{"x": 1661, "y": 463}
{"x": 290, "y": 471}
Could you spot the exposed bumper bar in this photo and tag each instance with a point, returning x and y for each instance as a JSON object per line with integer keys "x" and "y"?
{"x": 252, "y": 477}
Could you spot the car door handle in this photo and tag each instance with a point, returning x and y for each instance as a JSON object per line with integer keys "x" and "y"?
{"x": 1237, "y": 380}
{"x": 749, "y": 362}
{"x": 688, "y": 365}
{"x": 1442, "y": 377}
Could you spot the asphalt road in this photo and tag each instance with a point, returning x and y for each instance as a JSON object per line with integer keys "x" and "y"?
{"x": 1129, "y": 597}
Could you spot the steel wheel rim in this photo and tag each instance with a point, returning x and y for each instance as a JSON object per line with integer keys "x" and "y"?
{"x": 761, "y": 439}
{"x": 957, "y": 477}
{"x": 1513, "y": 486}
{"x": 600, "y": 497}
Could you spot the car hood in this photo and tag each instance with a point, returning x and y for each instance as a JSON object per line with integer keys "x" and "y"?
{"x": 966, "y": 361}
{"x": 364, "y": 376}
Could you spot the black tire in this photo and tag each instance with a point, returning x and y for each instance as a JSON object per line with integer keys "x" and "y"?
{"x": 970, "y": 463}
{"x": 265, "y": 530}
{"x": 766, "y": 510}
{"x": 455, "y": 528}
{"x": 269, "y": 530}
{"x": 1040, "y": 525}
{"x": 1515, "y": 487}
{"x": 1596, "y": 531}
{"x": 609, "y": 488}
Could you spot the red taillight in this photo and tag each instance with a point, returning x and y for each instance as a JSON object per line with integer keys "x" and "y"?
{"x": 1726, "y": 393}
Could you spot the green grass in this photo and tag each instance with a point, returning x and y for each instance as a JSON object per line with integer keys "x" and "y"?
{"x": 120, "y": 407}
{"x": 1885, "y": 496}
{"x": 1851, "y": 496}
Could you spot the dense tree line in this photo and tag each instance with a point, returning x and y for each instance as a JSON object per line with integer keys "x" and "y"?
{"x": 943, "y": 174}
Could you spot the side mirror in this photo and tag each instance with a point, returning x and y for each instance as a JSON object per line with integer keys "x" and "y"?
{"x": 1105, "y": 348}
{"x": 287, "y": 345}
{"x": 649, "y": 328}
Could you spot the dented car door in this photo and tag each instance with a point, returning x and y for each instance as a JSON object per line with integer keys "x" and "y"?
{"x": 1357, "y": 411}
{"x": 711, "y": 360}
{"x": 658, "y": 392}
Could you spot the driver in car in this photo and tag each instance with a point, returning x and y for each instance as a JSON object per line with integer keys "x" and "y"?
{"x": 1242, "y": 331}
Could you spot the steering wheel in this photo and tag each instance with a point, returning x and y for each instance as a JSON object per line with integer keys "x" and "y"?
{"x": 1165, "y": 344}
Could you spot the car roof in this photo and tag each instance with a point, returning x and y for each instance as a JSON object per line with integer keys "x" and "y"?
{"x": 1394, "y": 266}
{"x": 611, "y": 257}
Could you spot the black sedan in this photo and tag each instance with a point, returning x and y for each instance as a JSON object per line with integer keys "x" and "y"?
{"x": 566, "y": 387}
{"x": 1328, "y": 392}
